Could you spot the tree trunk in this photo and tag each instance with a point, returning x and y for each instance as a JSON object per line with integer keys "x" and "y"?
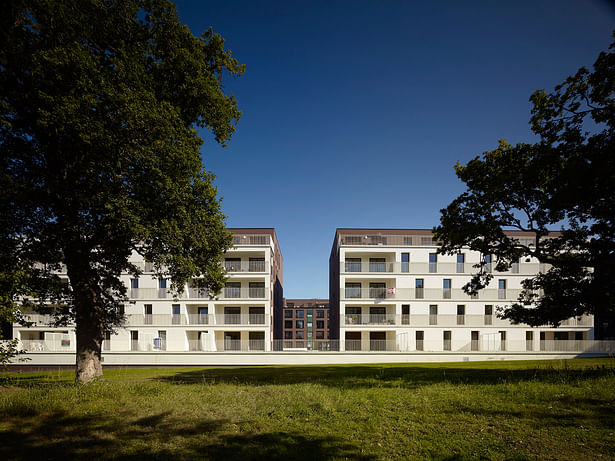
{"x": 89, "y": 317}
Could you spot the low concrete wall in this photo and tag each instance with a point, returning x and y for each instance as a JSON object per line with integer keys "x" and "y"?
{"x": 289, "y": 358}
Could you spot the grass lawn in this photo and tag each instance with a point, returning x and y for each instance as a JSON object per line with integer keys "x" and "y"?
{"x": 471, "y": 410}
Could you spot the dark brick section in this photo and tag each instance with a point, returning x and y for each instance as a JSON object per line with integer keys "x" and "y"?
{"x": 305, "y": 321}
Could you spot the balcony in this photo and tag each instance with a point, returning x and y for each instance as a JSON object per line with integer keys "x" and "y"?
{"x": 370, "y": 319}
{"x": 195, "y": 319}
{"x": 251, "y": 240}
{"x": 149, "y": 293}
{"x": 433, "y": 294}
{"x": 244, "y": 266}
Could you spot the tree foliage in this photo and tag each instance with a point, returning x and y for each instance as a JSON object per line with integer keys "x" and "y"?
{"x": 99, "y": 105}
{"x": 565, "y": 181}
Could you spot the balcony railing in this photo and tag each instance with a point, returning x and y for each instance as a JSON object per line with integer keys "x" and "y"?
{"x": 427, "y": 267}
{"x": 195, "y": 319}
{"x": 250, "y": 239}
{"x": 435, "y": 294}
{"x": 244, "y": 266}
{"x": 370, "y": 319}
{"x": 243, "y": 292}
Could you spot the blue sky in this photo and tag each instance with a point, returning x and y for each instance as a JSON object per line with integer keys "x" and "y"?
{"x": 355, "y": 112}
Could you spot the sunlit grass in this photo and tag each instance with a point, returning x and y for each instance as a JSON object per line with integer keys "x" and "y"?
{"x": 489, "y": 410}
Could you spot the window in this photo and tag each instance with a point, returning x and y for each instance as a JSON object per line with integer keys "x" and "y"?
{"x": 176, "y": 311}
{"x": 232, "y": 264}
{"x": 353, "y": 289}
{"x": 461, "y": 259}
{"x": 162, "y": 283}
{"x": 148, "y": 314}
{"x": 162, "y": 340}
{"x": 405, "y": 262}
{"x": 514, "y": 267}
{"x": 461, "y": 312}
{"x": 405, "y": 314}
{"x": 300, "y": 314}
{"x": 502, "y": 289}
{"x": 288, "y": 314}
{"x": 256, "y": 315}
{"x": 377, "y": 290}
{"x": 502, "y": 340}
{"x": 256, "y": 265}
{"x": 288, "y": 334}
{"x": 377, "y": 264}
{"x": 420, "y": 336}
{"x": 257, "y": 289}
{"x": 232, "y": 315}
{"x": 299, "y": 324}
{"x": 433, "y": 262}
{"x": 433, "y": 314}
{"x": 487, "y": 261}
{"x": 162, "y": 288}
{"x": 474, "y": 341}
{"x": 203, "y": 317}
{"x": 578, "y": 336}
{"x": 488, "y": 314}
{"x": 418, "y": 289}
{"x": 134, "y": 340}
{"x": 134, "y": 283}
{"x": 320, "y": 335}
{"x": 107, "y": 341}
{"x": 446, "y": 289}
{"x": 320, "y": 323}
{"x": 299, "y": 335}
{"x": 447, "y": 340}
{"x": 232, "y": 290}
{"x": 320, "y": 314}
{"x": 353, "y": 315}
{"x": 288, "y": 323}
{"x": 353, "y": 264}
{"x": 529, "y": 340}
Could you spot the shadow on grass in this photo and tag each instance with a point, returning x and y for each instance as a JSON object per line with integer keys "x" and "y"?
{"x": 61, "y": 436}
{"x": 409, "y": 377}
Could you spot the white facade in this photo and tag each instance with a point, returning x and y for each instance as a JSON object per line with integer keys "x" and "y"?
{"x": 395, "y": 293}
{"x": 239, "y": 318}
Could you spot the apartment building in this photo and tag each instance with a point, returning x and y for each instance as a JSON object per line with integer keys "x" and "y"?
{"x": 240, "y": 318}
{"x": 391, "y": 291}
{"x": 306, "y": 323}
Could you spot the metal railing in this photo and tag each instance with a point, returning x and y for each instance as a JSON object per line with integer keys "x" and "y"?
{"x": 487, "y": 294}
{"x": 426, "y": 268}
{"x": 370, "y": 319}
{"x": 250, "y": 239}
{"x": 243, "y": 293}
{"x": 245, "y": 266}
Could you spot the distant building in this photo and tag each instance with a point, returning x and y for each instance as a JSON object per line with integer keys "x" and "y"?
{"x": 305, "y": 323}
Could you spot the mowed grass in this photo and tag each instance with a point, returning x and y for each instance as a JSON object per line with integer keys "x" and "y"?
{"x": 471, "y": 410}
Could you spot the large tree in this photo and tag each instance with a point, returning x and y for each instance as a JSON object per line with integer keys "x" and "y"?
{"x": 563, "y": 182}
{"x": 99, "y": 105}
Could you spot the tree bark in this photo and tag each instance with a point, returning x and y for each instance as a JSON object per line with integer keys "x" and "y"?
{"x": 89, "y": 315}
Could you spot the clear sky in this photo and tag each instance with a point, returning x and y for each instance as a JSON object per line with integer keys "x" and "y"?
{"x": 355, "y": 112}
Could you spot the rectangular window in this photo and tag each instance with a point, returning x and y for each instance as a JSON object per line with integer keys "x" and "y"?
{"x": 320, "y": 314}
{"x": 420, "y": 337}
{"x": 433, "y": 314}
{"x": 162, "y": 283}
{"x": 134, "y": 340}
{"x": 447, "y": 340}
{"x": 148, "y": 314}
{"x": 353, "y": 264}
{"x": 377, "y": 264}
{"x": 514, "y": 267}
{"x": 418, "y": 289}
{"x": 461, "y": 314}
{"x": 288, "y": 323}
{"x": 433, "y": 262}
{"x": 488, "y": 314}
{"x": 256, "y": 315}
{"x": 320, "y": 335}
{"x": 107, "y": 341}
{"x": 162, "y": 340}
{"x": 232, "y": 315}
{"x": 288, "y": 314}
{"x": 377, "y": 290}
{"x": 405, "y": 262}
{"x": 299, "y": 334}
{"x": 299, "y": 324}
{"x": 474, "y": 341}
{"x": 353, "y": 315}
{"x": 134, "y": 283}
{"x": 256, "y": 265}
{"x": 176, "y": 311}
{"x": 320, "y": 323}
{"x": 257, "y": 289}
{"x": 288, "y": 334}
{"x": 300, "y": 314}
{"x": 405, "y": 314}
{"x": 232, "y": 290}
{"x": 353, "y": 289}
{"x": 502, "y": 289}
{"x": 461, "y": 260}
{"x": 232, "y": 264}
{"x": 487, "y": 261}
{"x": 502, "y": 340}
{"x": 529, "y": 340}
{"x": 446, "y": 289}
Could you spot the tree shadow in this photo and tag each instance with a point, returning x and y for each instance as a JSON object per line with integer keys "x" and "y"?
{"x": 368, "y": 376}
{"x": 59, "y": 436}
